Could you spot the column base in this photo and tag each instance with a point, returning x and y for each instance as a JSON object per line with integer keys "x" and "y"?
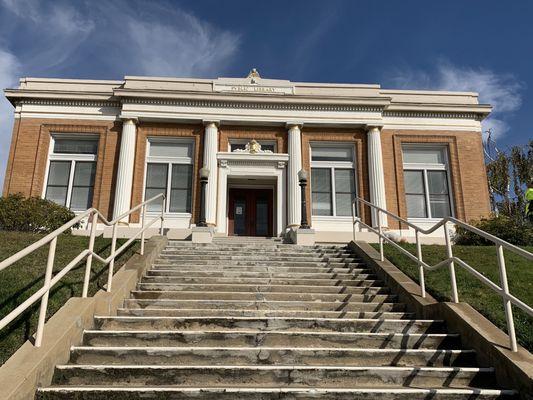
{"x": 202, "y": 234}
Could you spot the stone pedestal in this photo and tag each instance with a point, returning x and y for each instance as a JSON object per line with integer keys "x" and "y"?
{"x": 202, "y": 234}
{"x": 302, "y": 237}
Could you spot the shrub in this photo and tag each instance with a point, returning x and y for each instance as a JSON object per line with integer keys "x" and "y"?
{"x": 32, "y": 214}
{"x": 517, "y": 232}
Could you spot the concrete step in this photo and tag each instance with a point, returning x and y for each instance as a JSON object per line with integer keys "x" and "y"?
{"x": 259, "y": 268}
{"x": 263, "y": 296}
{"x": 216, "y": 274}
{"x": 269, "y": 324}
{"x": 276, "y": 356}
{"x": 352, "y": 281}
{"x": 270, "y": 258}
{"x": 364, "y": 287}
{"x": 351, "y": 306}
{"x": 99, "y": 392}
{"x": 324, "y": 266}
{"x": 254, "y": 338}
{"x": 194, "y": 312}
{"x": 244, "y": 252}
{"x": 270, "y": 376}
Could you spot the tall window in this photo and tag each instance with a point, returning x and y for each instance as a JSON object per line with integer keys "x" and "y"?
{"x": 427, "y": 186}
{"x": 169, "y": 170}
{"x": 71, "y": 171}
{"x": 332, "y": 179}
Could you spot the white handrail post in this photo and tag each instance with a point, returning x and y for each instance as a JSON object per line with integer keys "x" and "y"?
{"x": 46, "y": 295}
{"x": 143, "y": 219}
{"x": 420, "y": 266}
{"x": 88, "y": 265}
{"x": 163, "y": 207}
{"x": 506, "y": 301}
{"x": 111, "y": 269}
{"x": 449, "y": 253}
{"x": 353, "y": 219}
{"x": 381, "y": 254}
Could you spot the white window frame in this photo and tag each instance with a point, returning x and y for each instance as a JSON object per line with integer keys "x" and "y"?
{"x": 169, "y": 161}
{"x": 260, "y": 141}
{"x": 332, "y": 165}
{"x": 424, "y": 168}
{"x": 72, "y": 157}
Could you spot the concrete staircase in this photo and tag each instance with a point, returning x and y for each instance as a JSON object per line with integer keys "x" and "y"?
{"x": 252, "y": 318}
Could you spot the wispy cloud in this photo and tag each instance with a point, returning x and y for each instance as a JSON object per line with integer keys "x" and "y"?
{"x": 502, "y": 91}
{"x": 62, "y": 37}
{"x": 9, "y": 73}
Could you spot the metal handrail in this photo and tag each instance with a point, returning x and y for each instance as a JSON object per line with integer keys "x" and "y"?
{"x": 49, "y": 282}
{"x": 451, "y": 260}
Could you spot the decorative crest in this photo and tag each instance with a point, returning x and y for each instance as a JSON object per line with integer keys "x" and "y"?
{"x": 252, "y": 147}
{"x": 253, "y": 75}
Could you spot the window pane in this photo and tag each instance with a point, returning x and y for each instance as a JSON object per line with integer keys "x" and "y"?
{"x": 423, "y": 155}
{"x": 238, "y": 146}
{"x": 267, "y": 147}
{"x": 416, "y": 206}
{"x": 156, "y": 175}
{"x": 344, "y": 180}
{"x": 181, "y": 176}
{"x": 156, "y": 204}
{"x": 414, "y": 182}
{"x": 57, "y": 194}
{"x": 322, "y": 204}
{"x": 75, "y": 146}
{"x": 180, "y": 200}
{"x": 344, "y": 203}
{"x": 84, "y": 173}
{"x": 330, "y": 153}
{"x": 321, "y": 179}
{"x": 440, "y": 206}
{"x": 438, "y": 182}
{"x": 59, "y": 172}
{"x": 81, "y": 198}
{"x": 169, "y": 149}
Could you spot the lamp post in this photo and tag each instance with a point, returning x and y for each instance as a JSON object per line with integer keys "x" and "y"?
{"x": 302, "y": 177}
{"x": 204, "y": 177}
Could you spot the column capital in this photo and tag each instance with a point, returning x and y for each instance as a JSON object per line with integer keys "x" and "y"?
{"x": 130, "y": 120}
{"x": 373, "y": 127}
{"x": 211, "y": 122}
{"x": 294, "y": 124}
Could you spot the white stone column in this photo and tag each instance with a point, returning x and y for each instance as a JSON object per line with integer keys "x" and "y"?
{"x": 126, "y": 164}
{"x": 295, "y": 165}
{"x": 211, "y": 163}
{"x": 376, "y": 175}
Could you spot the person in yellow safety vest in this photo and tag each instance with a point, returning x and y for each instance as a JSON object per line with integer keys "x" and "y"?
{"x": 529, "y": 202}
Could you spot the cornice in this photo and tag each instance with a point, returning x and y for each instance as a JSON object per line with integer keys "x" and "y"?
{"x": 70, "y": 103}
{"x": 257, "y": 106}
{"x": 254, "y": 105}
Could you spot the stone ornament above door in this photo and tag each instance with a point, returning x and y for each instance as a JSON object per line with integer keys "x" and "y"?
{"x": 253, "y": 147}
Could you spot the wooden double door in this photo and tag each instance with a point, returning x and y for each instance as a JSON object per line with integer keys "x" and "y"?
{"x": 250, "y": 212}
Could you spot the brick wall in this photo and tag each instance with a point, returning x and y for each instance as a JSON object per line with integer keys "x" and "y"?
{"x": 29, "y": 153}
{"x": 31, "y": 138}
{"x": 356, "y": 137}
{"x": 467, "y": 170}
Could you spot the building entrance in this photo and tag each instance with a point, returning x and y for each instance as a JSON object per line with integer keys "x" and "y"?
{"x": 250, "y": 212}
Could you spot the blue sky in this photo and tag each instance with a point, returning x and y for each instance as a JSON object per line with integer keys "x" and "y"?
{"x": 484, "y": 46}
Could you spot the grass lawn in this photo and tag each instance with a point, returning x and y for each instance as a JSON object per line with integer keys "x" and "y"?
{"x": 472, "y": 291}
{"x": 25, "y": 277}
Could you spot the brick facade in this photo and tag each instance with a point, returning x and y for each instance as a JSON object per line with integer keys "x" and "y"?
{"x": 31, "y": 137}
